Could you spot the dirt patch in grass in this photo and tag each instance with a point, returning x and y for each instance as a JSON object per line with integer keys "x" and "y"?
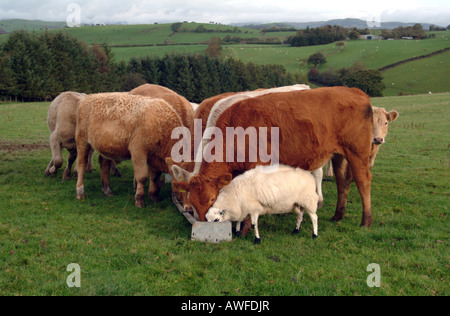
{"x": 13, "y": 147}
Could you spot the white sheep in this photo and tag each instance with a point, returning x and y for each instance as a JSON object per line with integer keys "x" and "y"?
{"x": 267, "y": 190}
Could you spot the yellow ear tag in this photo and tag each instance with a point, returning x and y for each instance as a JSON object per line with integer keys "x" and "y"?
{"x": 182, "y": 191}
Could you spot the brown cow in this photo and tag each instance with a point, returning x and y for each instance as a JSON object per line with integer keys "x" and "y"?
{"x": 121, "y": 126}
{"x": 183, "y": 170}
{"x": 313, "y": 125}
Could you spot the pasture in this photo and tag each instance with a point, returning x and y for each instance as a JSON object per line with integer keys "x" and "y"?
{"x": 123, "y": 250}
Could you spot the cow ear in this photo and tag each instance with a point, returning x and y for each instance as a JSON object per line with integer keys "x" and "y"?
{"x": 224, "y": 180}
{"x": 177, "y": 173}
{"x": 392, "y": 116}
{"x": 181, "y": 186}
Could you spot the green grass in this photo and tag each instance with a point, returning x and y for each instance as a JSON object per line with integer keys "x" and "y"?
{"x": 413, "y": 78}
{"x": 123, "y": 250}
{"x": 430, "y": 74}
{"x": 126, "y": 53}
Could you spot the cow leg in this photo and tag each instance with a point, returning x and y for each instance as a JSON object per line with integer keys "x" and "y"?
{"x": 70, "y": 161}
{"x": 245, "y": 227}
{"x": 343, "y": 179}
{"x": 83, "y": 153}
{"x": 105, "y": 166}
{"x": 140, "y": 176}
{"x": 115, "y": 171}
{"x": 363, "y": 179}
{"x": 56, "y": 161}
{"x": 90, "y": 165}
{"x": 156, "y": 182}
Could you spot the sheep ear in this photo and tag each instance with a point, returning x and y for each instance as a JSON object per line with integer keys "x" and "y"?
{"x": 392, "y": 116}
{"x": 224, "y": 180}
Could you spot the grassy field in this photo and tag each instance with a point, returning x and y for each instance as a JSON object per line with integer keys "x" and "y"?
{"x": 413, "y": 78}
{"x": 430, "y": 74}
{"x": 123, "y": 250}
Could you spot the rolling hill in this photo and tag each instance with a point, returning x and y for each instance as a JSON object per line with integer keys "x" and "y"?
{"x": 423, "y": 76}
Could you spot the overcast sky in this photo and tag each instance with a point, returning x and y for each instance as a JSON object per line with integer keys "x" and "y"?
{"x": 229, "y": 11}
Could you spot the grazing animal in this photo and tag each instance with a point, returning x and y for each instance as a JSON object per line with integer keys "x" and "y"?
{"x": 210, "y": 110}
{"x": 381, "y": 118}
{"x": 182, "y": 106}
{"x": 62, "y": 121}
{"x": 267, "y": 190}
{"x": 313, "y": 125}
{"x": 122, "y": 126}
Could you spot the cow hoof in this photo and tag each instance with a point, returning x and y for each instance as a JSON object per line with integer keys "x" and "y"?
{"x": 154, "y": 198}
{"x": 315, "y": 236}
{"x": 335, "y": 219}
{"x": 140, "y": 203}
{"x": 296, "y": 231}
{"x": 107, "y": 191}
{"x": 80, "y": 193}
{"x": 257, "y": 241}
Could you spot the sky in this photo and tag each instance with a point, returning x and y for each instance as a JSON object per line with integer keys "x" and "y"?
{"x": 226, "y": 11}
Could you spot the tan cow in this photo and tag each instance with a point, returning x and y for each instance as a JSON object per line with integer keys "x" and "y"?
{"x": 121, "y": 126}
{"x": 182, "y": 106}
{"x": 61, "y": 120}
{"x": 381, "y": 118}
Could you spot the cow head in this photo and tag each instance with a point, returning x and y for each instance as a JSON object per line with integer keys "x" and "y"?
{"x": 381, "y": 118}
{"x": 179, "y": 174}
{"x": 203, "y": 191}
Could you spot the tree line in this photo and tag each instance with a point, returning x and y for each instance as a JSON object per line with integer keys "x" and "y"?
{"x": 38, "y": 66}
{"x": 318, "y": 36}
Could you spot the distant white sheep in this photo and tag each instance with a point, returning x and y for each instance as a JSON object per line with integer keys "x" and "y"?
{"x": 267, "y": 190}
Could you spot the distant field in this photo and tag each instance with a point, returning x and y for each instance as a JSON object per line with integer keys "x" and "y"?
{"x": 145, "y": 40}
{"x": 123, "y": 34}
{"x": 431, "y": 74}
{"x": 126, "y": 53}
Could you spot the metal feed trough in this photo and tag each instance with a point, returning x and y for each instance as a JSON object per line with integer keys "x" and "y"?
{"x": 205, "y": 231}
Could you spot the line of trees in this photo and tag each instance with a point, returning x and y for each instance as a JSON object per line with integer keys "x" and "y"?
{"x": 39, "y": 66}
{"x": 318, "y": 36}
{"x": 198, "y": 77}
{"x": 368, "y": 80}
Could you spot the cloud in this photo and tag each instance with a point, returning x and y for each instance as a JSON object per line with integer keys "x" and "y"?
{"x": 227, "y": 11}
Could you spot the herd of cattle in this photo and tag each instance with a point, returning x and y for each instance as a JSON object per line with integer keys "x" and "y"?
{"x": 316, "y": 127}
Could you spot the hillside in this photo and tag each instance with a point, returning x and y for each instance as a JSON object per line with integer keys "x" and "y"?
{"x": 347, "y": 23}
{"x": 29, "y": 25}
{"x": 129, "y": 41}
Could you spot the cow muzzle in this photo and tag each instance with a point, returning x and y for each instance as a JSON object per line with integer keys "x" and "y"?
{"x": 378, "y": 141}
